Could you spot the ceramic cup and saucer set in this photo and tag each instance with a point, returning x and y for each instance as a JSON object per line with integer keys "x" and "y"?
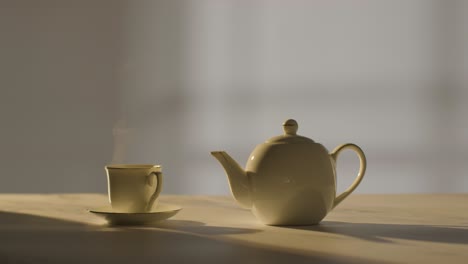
{"x": 133, "y": 195}
{"x": 289, "y": 180}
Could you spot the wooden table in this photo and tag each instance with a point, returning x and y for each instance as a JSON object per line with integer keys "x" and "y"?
{"x": 363, "y": 229}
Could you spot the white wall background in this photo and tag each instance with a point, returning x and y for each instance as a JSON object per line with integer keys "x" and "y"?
{"x": 86, "y": 83}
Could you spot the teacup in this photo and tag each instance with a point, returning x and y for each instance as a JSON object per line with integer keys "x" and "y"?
{"x": 133, "y": 188}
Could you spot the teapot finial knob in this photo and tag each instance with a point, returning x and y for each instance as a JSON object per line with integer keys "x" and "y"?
{"x": 290, "y": 127}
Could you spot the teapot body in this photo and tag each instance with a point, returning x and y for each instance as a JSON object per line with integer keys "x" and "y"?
{"x": 289, "y": 179}
{"x": 291, "y": 184}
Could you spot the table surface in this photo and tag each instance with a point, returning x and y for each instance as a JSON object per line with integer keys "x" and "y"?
{"x": 56, "y": 228}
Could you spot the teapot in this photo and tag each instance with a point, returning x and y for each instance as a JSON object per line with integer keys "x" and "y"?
{"x": 289, "y": 179}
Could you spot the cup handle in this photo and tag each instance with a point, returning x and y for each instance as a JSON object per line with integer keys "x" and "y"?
{"x": 150, "y": 180}
{"x": 362, "y": 169}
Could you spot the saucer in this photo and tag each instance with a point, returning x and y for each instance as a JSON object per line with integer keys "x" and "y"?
{"x": 159, "y": 213}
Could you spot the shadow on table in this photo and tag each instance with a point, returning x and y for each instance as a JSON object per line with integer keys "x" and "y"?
{"x": 379, "y": 232}
{"x": 35, "y": 239}
{"x": 202, "y": 229}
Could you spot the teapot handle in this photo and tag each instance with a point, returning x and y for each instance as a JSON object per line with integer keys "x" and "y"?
{"x": 362, "y": 169}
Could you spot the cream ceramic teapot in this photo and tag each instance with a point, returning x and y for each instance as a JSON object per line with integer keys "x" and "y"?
{"x": 289, "y": 179}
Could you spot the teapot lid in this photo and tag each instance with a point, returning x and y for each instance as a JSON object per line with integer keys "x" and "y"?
{"x": 290, "y": 127}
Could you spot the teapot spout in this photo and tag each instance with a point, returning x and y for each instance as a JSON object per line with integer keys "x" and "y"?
{"x": 238, "y": 179}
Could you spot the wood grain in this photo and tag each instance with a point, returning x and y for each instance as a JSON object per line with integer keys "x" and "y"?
{"x": 56, "y": 228}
